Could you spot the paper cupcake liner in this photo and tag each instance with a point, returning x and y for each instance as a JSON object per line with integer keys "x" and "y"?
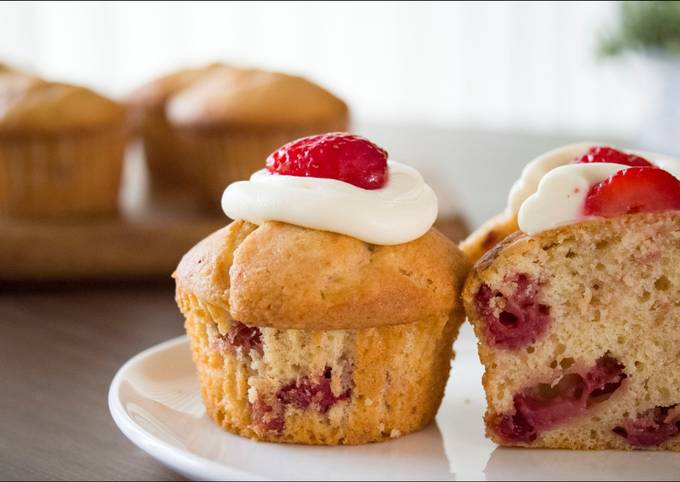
{"x": 161, "y": 151}
{"x": 55, "y": 175}
{"x": 388, "y": 381}
{"x": 217, "y": 158}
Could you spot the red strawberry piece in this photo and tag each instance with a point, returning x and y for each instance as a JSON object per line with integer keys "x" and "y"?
{"x": 609, "y": 154}
{"x": 267, "y": 417}
{"x": 241, "y": 336}
{"x": 651, "y": 428}
{"x": 305, "y": 392}
{"x": 337, "y": 155}
{"x": 545, "y": 405}
{"x": 633, "y": 190}
{"x": 522, "y": 321}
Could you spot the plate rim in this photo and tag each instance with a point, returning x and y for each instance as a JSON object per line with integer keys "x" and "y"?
{"x": 181, "y": 461}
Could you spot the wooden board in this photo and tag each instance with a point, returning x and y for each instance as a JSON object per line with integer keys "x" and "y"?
{"x": 147, "y": 240}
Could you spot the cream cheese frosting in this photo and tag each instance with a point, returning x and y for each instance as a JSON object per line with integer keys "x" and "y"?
{"x": 561, "y": 195}
{"x": 551, "y": 192}
{"x": 534, "y": 171}
{"x": 402, "y": 210}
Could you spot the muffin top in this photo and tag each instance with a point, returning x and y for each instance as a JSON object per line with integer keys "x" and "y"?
{"x": 289, "y": 277}
{"x": 28, "y": 104}
{"x": 154, "y": 94}
{"x": 252, "y": 98}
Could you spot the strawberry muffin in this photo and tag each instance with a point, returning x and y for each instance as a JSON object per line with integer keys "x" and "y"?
{"x": 326, "y": 312}
{"x": 577, "y": 312}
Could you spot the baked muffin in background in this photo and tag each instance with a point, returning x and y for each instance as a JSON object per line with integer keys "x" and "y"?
{"x": 146, "y": 108}
{"x": 577, "y": 312}
{"x": 337, "y": 326}
{"x": 61, "y": 149}
{"x": 228, "y": 121}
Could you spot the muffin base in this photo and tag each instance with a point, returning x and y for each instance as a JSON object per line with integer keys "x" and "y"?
{"x": 161, "y": 152}
{"x": 380, "y": 383}
{"x": 61, "y": 175}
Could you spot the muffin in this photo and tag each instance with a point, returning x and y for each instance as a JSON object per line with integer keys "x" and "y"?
{"x": 229, "y": 120}
{"x": 146, "y": 106}
{"x": 61, "y": 149}
{"x": 577, "y": 312}
{"x": 323, "y": 329}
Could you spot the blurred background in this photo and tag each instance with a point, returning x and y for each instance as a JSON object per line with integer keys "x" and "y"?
{"x": 413, "y": 73}
{"x": 509, "y": 65}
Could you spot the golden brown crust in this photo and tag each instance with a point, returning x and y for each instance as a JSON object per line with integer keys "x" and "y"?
{"x": 255, "y": 99}
{"x": 286, "y": 276}
{"x": 32, "y": 105}
{"x": 488, "y": 235}
{"x": 204, "y": 270}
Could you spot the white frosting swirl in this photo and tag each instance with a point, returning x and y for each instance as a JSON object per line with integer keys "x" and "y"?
{"x": 560, "y": 189}
{"x": 561, "y": 195}
{"x": 534, "y": 171}
{"x": 402, "y": 210}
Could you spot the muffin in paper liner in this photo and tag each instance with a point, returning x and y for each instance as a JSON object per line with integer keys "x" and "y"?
{"x": 323, "y": 387}
{"x": 61, "y": 149}
{"x": 61, "y": 174}
{"x": 146, "y": 110}
{"x": 205, "y": 127}
{"x": 374, "y": 368}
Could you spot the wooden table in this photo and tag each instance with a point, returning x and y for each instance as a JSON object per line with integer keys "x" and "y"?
{"x": 60, "y": 347}
{"x": 59, "y": 350}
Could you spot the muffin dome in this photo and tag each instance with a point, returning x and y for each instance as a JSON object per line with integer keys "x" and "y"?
{"x": 36, "y": 105}
{"x": 251, "y": 97}
{"x": 154, "y": 94}
{"x": 361, "y": 285}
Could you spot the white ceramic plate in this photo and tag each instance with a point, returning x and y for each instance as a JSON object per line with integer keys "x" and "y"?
{"x": 155, "y": 401}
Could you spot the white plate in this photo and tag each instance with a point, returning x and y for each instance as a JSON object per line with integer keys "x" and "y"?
{"x": 155, "y": 401}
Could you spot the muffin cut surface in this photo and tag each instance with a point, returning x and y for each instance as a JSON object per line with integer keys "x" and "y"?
{"x": 578, "y": 334}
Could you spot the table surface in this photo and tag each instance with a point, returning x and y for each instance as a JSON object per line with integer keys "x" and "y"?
{"x": 59, "y": 351}
{"x": 60, "y": 346}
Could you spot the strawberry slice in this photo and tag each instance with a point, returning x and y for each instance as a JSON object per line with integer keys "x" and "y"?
{"x": 633, "y": 190}
{"x": 609, "y": 154}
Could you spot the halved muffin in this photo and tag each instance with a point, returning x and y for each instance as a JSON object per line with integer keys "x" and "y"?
{"x": 578, "y": 334}
{"x": 577, "y": 312}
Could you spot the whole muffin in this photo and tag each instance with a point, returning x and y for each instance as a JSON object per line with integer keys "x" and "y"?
{"x": 146, "y": 107}
{"x": 61, "y": 149}
{"x": 229, "y": 120}
{"x": 303, "y": 335}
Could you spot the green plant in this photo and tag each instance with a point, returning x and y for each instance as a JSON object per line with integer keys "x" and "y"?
{"x": 645, "y": 26}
